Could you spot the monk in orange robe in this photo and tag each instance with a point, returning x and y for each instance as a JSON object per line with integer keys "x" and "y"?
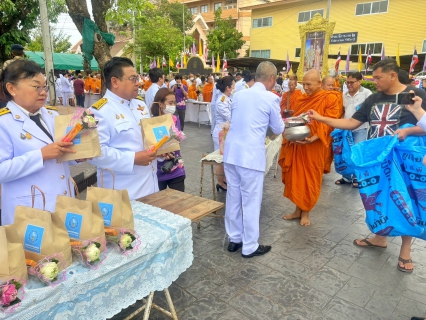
{"x": 97, "y": 84}
{"x": 303, "y": 162}
{"x": 88, "y": 83}
{"x": 208, "y": 90}
{"x": 290, "y": 97}
{"x": 337, "y": 83}
{"x": 192, "y": 91}
{"x": 147, "y": 84}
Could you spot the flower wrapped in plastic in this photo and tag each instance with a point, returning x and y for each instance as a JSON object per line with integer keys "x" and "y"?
{"x": 174, "y": 136}
{"x": 222, "y": 135}
{"x": 89, "y": 252}
{"x": 127, "y": 240}
{"x": 47, "y": 269}
{"x": 83, "y": 118}
{"x": 11, "y": 294}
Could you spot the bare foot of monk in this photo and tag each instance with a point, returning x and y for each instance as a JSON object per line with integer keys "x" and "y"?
{"x": 304, "y": 219}
{"x": 295, "y": 215}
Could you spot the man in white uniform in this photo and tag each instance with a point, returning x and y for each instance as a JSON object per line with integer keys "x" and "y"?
{"x": 157, "y": 77}
{"x": 120, "y": 134}
{"x": 253, "y": 111}
{"x": 241, "y": 84}
{"x": 67, "y": 89}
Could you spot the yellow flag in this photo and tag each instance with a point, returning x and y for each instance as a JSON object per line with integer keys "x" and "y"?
{"x": 359, "y": 60}
{"x": 200, "y": 48}
{"x": 218, "y": 63}
{"x": 184, "y": 61}
{"x": 171, "y": 64}
{"x": 158, "y": 62}
{"x": 398, "y": 61}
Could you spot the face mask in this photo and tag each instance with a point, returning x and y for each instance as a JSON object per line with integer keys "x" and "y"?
{"x": 191, "y": 79}
{"x": 170, "y": 109}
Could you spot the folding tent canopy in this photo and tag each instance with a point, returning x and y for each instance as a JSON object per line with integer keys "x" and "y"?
{"x": 62, "y": 61}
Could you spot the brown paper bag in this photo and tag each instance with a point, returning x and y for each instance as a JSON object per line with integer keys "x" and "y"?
{"x": 114, "y": 204}
{"x": 12, "y": 256}
{"x": 42, "y": 233}
{"x": 154, "y": 129}
{"x": 86, "y": 144}
{"x": 82, "y": 220}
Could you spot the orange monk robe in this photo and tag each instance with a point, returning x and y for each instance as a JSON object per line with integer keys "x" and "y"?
{"x": 184, "y": 82}
{"x": 192, "y": 91}
{"x": 147, "y": 84}
{"x": 296, "y": 94}
{"x": 303, "y": 166}
{"x": 97, "y": 84}
{"x": 336, "y": 84}
{"x": 208, "y": 92}
{"x": 88, "y": 84}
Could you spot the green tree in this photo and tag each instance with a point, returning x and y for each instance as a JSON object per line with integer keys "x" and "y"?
{"x": 224, "y": 38}
{"x": 60, "y": 41}
{"x": 18, "y": 18}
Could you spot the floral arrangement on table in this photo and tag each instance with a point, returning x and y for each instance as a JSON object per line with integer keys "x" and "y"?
{"x": 89, "y": 252}
{"x": 47, "y": 269}
{"x": 11, "y": 295}
{"x": 127, "y": 240}
{"x": 83, "y": 118}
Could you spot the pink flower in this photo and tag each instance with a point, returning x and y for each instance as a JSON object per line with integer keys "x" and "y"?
{"x": 8, "y": 294}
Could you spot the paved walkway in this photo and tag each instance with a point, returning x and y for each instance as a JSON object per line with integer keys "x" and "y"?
{"x": 311, "y": 273}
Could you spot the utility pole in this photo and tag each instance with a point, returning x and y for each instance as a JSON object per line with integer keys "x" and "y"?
{"x": 134, "y": 41}
{"x": 328, "y": 10}
{"x": 48, "y": 56}
{"x": 183, "y": 27}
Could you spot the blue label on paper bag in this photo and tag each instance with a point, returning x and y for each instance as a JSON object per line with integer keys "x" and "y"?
{"x": 106, "y": 211}
{"x": 73, "y": 223}
{"x": 33, "y": 238}
{"x": 160, "y": 132}
{"x": 77, "y": 139}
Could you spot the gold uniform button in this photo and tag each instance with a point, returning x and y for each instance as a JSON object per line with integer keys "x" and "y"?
{"x": 65, "y": 193}
{"x": 62, "y": 177}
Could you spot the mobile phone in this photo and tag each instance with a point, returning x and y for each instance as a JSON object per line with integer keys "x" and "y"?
{"x": 405, "y": 98}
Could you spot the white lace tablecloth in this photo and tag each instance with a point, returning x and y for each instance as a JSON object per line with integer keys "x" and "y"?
{"x": 272, "y": 148}
{"x": 165, "y": 252}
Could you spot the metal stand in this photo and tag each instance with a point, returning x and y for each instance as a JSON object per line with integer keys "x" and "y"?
{"x": 149, "y": 304}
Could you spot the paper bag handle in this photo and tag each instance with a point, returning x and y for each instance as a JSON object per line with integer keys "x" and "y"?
{"x": 77, "y": 194}
{"x": 33, "y": 187}
{"x": 102, "y": 177}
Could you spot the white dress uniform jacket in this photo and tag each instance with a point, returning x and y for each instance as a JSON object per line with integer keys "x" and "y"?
{"x": 150, "y": 94}
{"x": 253, "y": 110}
{"x": 139, "y": 105}
{"x": 240, "y": 85}
{"x": 67, "y": 89}
{"x": 121, "y": 137}
{"x": 215, "y": 94}
{"x": 221, "y": 115}
{"x": 22, "y": 165}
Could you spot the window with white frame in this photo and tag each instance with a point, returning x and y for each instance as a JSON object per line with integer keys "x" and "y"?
{"x": 262, "y": 22}
{"x": 375, "y": 48}
{"x": 371, "y": 7}
{"x": 217, "y": 5}
{"x": 204, "y": 8}
{"x": 261, "y": 54}
{"x": 194, "y": 10}
{"x": 307, "y": 15}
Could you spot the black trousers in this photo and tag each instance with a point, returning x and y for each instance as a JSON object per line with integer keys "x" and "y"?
{"x": 80, "y": 100}
{"x": 175, "y": 184}
{"x": 181, "y": 114}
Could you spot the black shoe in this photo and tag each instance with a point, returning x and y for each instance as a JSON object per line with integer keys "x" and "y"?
{"x": 218, "y": 186}
{"x": 233, "y": 246}
{"x": 261, "y": 250}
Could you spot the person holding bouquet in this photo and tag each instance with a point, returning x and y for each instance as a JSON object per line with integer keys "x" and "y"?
{"x": 181, "y": 93}
{"x": 28, "y": 155}
{"x": 170, "y": 172}
{"x": 222, "y": 114}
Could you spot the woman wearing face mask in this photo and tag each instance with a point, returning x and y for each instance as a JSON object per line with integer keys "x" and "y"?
{"x": 222, "y": 114}
{"x": 165, "y": 102}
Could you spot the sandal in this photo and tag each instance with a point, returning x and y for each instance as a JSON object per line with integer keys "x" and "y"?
{"x": 355, "y": 183}
{"x": 340, "y": 182}
{"x": 368, "y": 244}
{"x": 404, "y": 261}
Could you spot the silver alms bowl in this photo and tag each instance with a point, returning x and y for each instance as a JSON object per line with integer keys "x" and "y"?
{"x": 297, "y": 133}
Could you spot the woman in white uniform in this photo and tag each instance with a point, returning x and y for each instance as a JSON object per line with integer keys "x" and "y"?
{"x": 222, "y": 113}
{"x": 28, "y": 155}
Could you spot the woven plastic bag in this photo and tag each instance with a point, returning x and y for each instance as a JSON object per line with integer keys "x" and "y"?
{"x": 342, "y": 145}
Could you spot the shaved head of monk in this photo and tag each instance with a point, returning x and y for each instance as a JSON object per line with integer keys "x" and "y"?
{"x": 328, "y": 83}
{"x": 312, "y": 82}
{"x": 292, "y": 84}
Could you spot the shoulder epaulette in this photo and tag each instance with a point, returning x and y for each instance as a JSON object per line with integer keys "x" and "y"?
{"x": 100, "y": 103}
{"x": 140, "y": 98}
{"x": 246, "y": 86}
{"x": 4, "y": 111}
{"x": 223, "y": 99}
{"x": 51, "y": 108}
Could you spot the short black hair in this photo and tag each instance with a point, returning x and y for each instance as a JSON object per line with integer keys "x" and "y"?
{"x": 253, "y": 76}
{"x": 238, "y": 74}
{"x": 387, "y": 65}
{"x": 246, "y": 75}
{"x": 223, "y": 83}
{"x": 114, "y": 68}
{"x": 403, "y": 76}
{"x": 203, "y": 78}
{"x": 155, "y": 74}
{"x": 18, "y": 70}
{"x": 356, "y": 75}
{"x": 80, "y": 76}
{"x": 178, "y": 76}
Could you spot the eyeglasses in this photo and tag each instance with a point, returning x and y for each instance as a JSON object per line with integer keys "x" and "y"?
{"x": 351, "y": 82}
{"x": 134, "y": 79}
{"x": 40, "y": 89}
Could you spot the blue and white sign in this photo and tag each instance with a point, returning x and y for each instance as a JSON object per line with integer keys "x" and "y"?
{"x": 33, "y": 238}
{"x": 107, "y": 210}
{"x": 347, "y": 37}
{"x": 160, "y": 132}
{"x": 73, "y": 222}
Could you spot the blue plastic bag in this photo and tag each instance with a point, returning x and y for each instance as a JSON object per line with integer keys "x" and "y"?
{"x": 383, "y": 167}
{"x": 342, "y": 144}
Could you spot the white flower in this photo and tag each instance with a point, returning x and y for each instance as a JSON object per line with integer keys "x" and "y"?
{"x": 92, "y": 253}
{"x": 125, "y": 241}
{"x": 92, "y": 122}
{"x": 50, "y": 270}
{"x": 86, "y": 119}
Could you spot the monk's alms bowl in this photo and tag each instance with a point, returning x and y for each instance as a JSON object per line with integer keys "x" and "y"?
{"x": 298, "y": 133}
{"x": 294, "y": 123}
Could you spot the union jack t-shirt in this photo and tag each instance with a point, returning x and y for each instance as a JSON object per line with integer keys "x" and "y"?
{"x": 384, "y": 115}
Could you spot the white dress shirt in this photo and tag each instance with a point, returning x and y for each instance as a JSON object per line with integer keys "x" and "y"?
{"x": 150, "y": 94}
{"x": 353, "y": 103}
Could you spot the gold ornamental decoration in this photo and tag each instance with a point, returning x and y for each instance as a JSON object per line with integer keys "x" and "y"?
{"x": 315, "y": 38}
